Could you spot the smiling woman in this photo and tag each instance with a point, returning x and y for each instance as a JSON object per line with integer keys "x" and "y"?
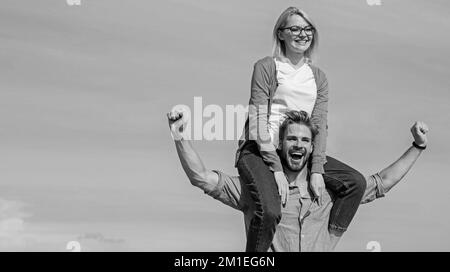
{"x": 284, "y": 82}
{"x": 295, "y": 25}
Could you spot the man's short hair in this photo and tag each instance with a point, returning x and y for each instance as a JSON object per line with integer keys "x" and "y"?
{"x": 297, "y": 117}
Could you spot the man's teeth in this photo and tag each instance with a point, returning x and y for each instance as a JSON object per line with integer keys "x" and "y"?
{"x": 296, "y": 155}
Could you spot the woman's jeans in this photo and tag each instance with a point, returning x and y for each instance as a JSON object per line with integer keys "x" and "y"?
{"x": 347, "y": 184}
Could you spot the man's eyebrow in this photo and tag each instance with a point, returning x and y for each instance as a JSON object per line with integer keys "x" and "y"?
{"x": 300, "y": 137}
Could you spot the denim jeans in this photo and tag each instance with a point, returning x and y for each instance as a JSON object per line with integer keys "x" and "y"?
{"x": 347, "y": 184}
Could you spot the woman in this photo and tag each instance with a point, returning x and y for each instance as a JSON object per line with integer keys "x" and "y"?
{"x": 288, "y": 81}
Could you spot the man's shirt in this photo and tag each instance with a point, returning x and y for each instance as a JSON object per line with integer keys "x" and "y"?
{"x": 304, "y": 223}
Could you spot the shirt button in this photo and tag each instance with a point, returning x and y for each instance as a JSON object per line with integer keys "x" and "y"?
{"x": 303, "y": 236}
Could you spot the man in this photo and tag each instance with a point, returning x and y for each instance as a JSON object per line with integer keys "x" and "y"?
{"x": 304, "y": 222}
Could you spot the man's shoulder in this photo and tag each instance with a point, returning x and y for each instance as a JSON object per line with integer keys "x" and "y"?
{"x": 225, "y": 178}
{"x": 229, "y": 190}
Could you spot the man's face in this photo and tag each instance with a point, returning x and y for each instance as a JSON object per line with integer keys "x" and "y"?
{"x": 296, "y": 147}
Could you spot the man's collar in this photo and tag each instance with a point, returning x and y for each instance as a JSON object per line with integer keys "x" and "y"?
{"x": 302, "y": 183}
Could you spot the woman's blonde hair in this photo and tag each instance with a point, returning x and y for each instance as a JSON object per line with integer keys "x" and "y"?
{"x": 279, "y": 48}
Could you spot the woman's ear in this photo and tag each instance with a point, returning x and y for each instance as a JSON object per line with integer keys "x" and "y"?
{"x": 279, "y": 35}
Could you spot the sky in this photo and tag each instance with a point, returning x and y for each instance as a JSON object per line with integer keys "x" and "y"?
{"x": 85, "y": 150}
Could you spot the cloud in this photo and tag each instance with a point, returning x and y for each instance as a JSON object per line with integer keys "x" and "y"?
{"x": 11, "y": 209}
{"x": 96, "y": 241}
{"x": 18, "y": 234}
{"x": 100, "y": 238}
{"x": 12, "y": 225}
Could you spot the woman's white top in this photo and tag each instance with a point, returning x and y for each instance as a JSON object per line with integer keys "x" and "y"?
{"x": 296, "y": 90}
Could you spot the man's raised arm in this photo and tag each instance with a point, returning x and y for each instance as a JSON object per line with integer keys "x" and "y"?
{"x": 381, "y": 183}
{"x": 190, "y": 160}
{"x": 392, "y": 174}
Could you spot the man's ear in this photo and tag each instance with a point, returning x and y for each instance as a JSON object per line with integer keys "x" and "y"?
{"x": 280, "y": 146}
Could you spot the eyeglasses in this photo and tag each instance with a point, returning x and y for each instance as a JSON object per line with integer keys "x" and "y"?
{"x": 296, "y": 30}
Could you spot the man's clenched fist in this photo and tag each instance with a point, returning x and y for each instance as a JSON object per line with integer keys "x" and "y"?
{"x": 419, "y": 131}
{"x": 177, "y": 123}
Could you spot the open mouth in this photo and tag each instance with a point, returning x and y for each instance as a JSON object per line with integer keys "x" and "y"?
{"x": 297, "y": 155}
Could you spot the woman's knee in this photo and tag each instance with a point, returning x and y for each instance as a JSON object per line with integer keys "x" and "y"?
{"x": 252, "y": 166}
{"x": 357, "y": 183}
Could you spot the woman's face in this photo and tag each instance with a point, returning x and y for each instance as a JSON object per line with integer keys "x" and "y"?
{"x": 297, "y": 35}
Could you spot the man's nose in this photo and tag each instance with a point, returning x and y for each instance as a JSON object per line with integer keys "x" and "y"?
{"x": 299, "y": 144}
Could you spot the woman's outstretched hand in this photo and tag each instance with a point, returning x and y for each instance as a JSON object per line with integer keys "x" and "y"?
{"x": 317, "y": 186}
